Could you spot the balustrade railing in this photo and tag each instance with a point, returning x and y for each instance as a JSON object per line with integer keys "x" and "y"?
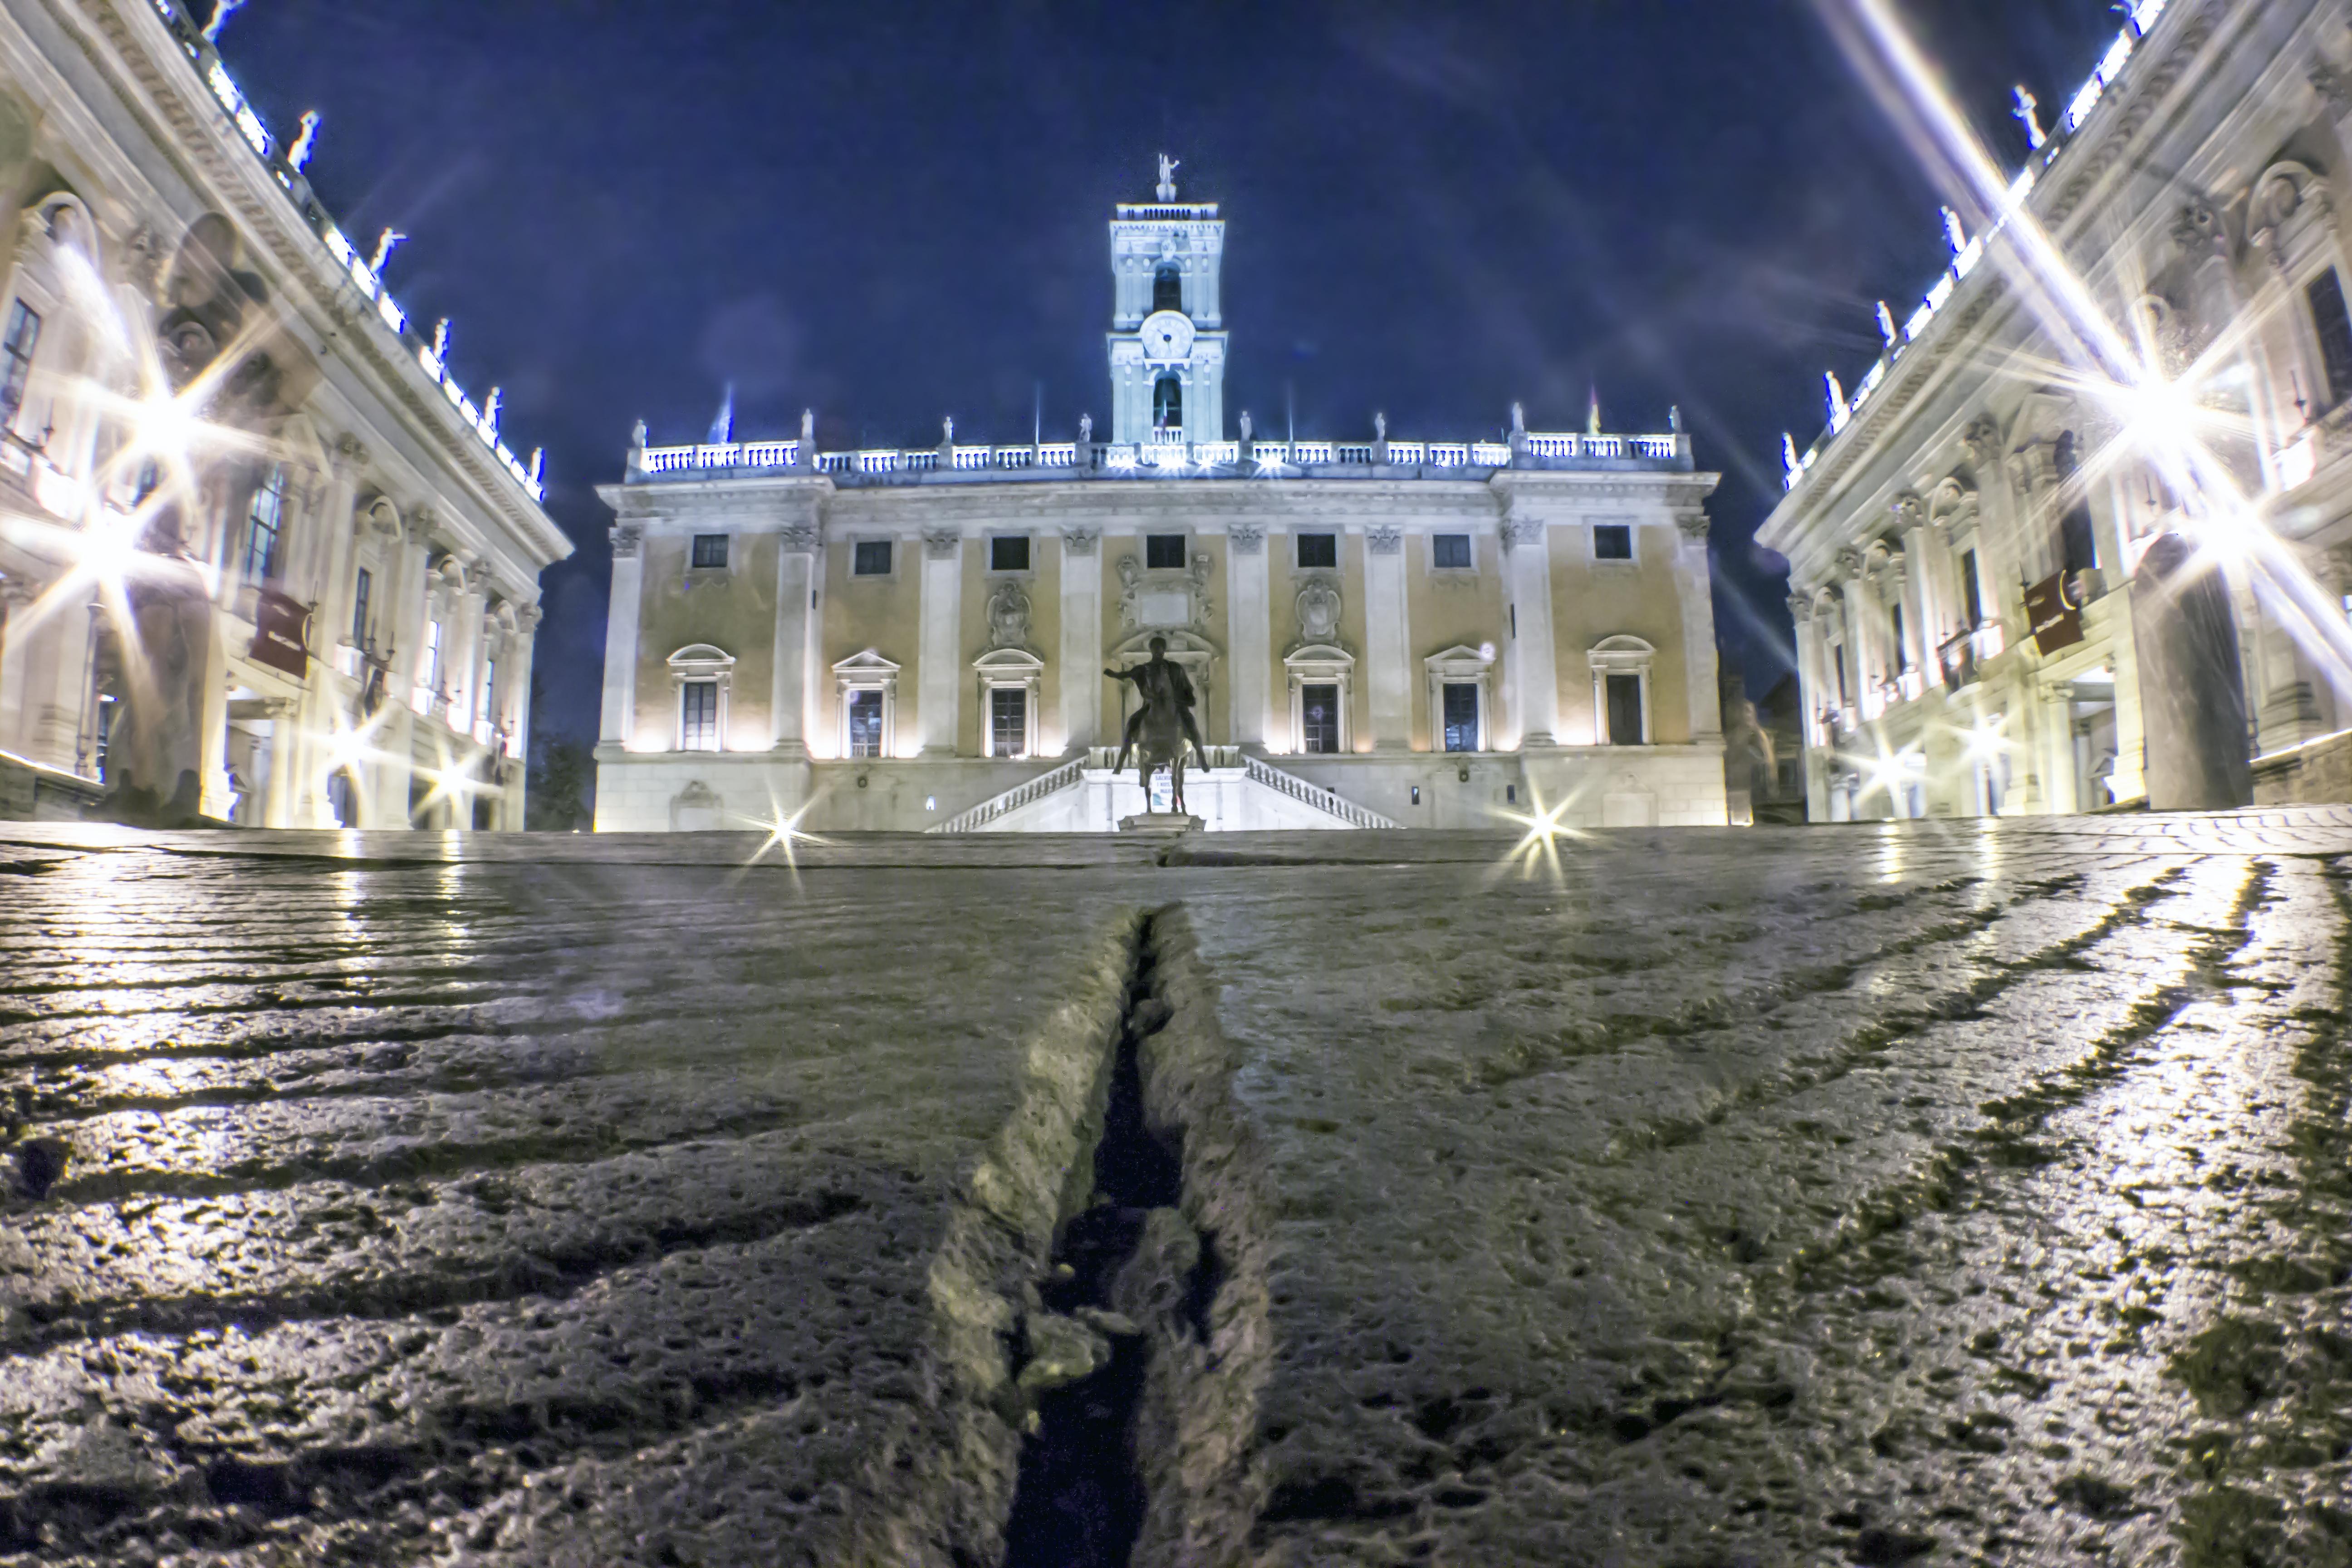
{"x": 1316, "y": 796}
{"x": 1013, "y": 799}
{"x": 1165, "y": 451}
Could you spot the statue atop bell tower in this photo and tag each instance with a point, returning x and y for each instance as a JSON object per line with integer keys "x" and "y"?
{"x": 1167, "y": 341}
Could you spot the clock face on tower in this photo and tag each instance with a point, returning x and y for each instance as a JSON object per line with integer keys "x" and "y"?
{"x": 1167, "y": 336}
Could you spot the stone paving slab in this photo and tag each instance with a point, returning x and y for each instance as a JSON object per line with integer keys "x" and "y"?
{"x": 1919, "y": 1193}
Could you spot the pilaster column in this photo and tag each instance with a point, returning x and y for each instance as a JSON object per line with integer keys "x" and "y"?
{"x": 517, "y": 704}
{"x": 1808, "y": 703}
{"x": 788, "y": 704}
{"x": 1081, "y": 637}
{"x": 1694, "y": 587}
{"x": 15, "y": 658}
{"x": 620, "y": 711}
{"x": 1387, "y": 639}
{"x": 939, "y": 681}
{"x": 1250, "y": 634}
{"x": 279, "y": 786}
{"x": 1527, "y": 656}
{"x": 337, "y": 533}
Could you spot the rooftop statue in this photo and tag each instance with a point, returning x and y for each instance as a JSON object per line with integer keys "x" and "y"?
{"x": 1168, "y": 167}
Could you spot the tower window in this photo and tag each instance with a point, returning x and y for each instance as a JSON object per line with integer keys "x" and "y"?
{"x": 697, "y": 719}
{"x": 1625, "y": 710}
{"x": 710, "y": 550}
{"x": 1167, "y": 403}
{"x": 1163, "y": 552}
{"x": 1318, "y": 549}
{"x": 1167, "y": 288}
{"x": 1461, "y": 698}
{"x": 362, "y": 587}
{"x": 866, "y": 723}
{"x": 2334, "y": 325}
{"x": 17, "y": 358}
{"x": 1008, "y": 721}
{"x": 1319, "y": 718}
{"x": 1612, "y": 541}
{"x": 871, "y": 557}
{"x": 263, "y": 520}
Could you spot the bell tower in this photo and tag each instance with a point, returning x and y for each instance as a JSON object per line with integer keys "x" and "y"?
{"x": 1167, "y": 338}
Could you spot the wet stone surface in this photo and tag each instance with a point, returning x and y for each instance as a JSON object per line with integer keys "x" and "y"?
{"x": 1843, "y": 1196}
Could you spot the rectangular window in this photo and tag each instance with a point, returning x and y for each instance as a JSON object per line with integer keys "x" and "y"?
{"x": 1318, "y": 549}
{"x": 710, "y": 550}
{"x": 1612, "y": 541}
{"x": 1837, "y": 658}
{"x": 866, "y": 723}
{"x": 17, "y": 359}
{"x": 363, "y": 587}
{"x": 1008, "y": 721}
{"x": 1319, "y": 715}
{"x": 433, "y": 654}
{"x": 1895, "y": 639}
{"x": 2334, "y": 325}
{"x": 1971, "y": 595}
{"x": 870, "y": 558}
{"x": 1450, "y": 552}
{"x": 1009, "y": 552}
{"x": 1163, "y": 552}
{"x": 1461, "y": 715}
{"x": 484, "y": 705}
{"x": 698, "y": 720}
{"x": 1625, "y": 710}
{"x": 263, "y": 522}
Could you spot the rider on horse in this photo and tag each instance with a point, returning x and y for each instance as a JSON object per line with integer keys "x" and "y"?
{"x": 1164, "y": 680}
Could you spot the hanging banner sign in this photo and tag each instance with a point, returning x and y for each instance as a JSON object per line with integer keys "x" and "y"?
{"x": 2056, "y": 619}
{"x": 281, "y": 633}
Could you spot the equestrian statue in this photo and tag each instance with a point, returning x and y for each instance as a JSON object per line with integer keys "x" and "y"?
{"x": 1162, "y": 725}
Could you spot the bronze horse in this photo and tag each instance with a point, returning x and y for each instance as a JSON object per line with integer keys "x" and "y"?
{"x": 1162, "y": 726}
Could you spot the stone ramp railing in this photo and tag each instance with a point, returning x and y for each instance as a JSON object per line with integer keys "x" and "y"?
{"x": 1099, "y": 758}
{"x": 1013, "y": 799}
{"x": 1316, "y": 796}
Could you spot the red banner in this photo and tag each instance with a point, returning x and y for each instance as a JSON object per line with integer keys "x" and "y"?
{"x": 281, "y": 633}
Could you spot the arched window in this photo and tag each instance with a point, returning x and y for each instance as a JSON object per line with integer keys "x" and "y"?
{"x": 1167, "y": 288}
{"x": 1168, "y": 402}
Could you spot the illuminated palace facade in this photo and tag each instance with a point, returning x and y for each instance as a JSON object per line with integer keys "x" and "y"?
{"x": 261, "y": 560}
{"x": 1961, "y": 544}
{"x": 1381, "y": 632}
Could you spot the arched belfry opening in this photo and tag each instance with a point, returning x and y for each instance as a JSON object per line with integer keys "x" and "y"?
{"x": 1167, "y": 288}
{"x": 1168, "y": 402}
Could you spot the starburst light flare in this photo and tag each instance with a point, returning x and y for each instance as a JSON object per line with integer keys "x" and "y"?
{"x": 2159, "y": 422}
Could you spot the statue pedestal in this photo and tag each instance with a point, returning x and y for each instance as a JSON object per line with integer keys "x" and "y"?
{"x": 1161, "y": 822}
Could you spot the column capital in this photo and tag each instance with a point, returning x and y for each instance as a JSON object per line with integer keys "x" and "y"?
{"x": 348, "y": 456}
{"x": 1246, "y": 538}
{"x": 1518, "y": 531}
{"x": 1693, "y": 525}
{"x": 1384, "y": 540}
{"x": 627, "y": 538}
{"x": 798, "y": 540}
{"x": 942, "y": 546}
{"x": 1080, "y": 541}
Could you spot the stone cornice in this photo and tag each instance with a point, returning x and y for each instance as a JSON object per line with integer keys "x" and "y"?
{"x": 189, "y": 126}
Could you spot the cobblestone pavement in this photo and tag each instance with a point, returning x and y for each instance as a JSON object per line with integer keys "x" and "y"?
{"x": 1922, "y": 1194}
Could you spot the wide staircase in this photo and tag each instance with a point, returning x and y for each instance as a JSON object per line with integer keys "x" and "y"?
{"x": 1234, "y": 793}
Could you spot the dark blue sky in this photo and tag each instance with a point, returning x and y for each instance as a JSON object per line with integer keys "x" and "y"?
{"x": 893, "y": 212}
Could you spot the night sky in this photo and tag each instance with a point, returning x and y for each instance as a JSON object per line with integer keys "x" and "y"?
{"x": 893, "y": 212}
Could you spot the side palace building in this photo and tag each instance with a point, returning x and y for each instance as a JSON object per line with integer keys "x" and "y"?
{"x": 262, "y": 560}
{"x": 1381, "y": 633}
{"x": 1961, "y": 552}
